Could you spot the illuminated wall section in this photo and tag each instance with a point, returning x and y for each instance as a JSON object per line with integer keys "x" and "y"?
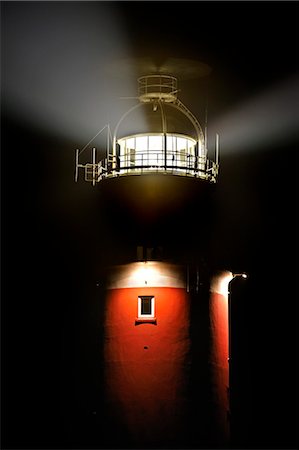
{"x": 147, "y": 349}
{"x": 219, "y": 352}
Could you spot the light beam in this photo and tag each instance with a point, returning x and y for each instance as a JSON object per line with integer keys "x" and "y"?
{"x": 265, "y": 120}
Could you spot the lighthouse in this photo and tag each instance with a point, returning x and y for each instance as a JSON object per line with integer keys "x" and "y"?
{"x": 166, "y": 312}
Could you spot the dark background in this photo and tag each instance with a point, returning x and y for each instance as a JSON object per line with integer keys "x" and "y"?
{"x": 56, "y": 236}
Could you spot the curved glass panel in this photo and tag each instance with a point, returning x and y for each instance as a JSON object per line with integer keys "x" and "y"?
{"x": 158, "y": 152}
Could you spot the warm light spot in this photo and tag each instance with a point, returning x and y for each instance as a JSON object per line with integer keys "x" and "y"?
{"x": 220, "y": 282}
{"x": 146, "y": 274}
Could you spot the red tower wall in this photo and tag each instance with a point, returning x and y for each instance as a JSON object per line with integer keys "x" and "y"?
{"x": 219, "y": 353}
{"x": 147, "y": 364}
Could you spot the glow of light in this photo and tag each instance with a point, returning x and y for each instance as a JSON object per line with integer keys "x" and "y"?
{"x": 243, "y": 275}
{"x": 269, "y": 118}
{"x": 57, "y": 58}
{"x": 142, "y": 274}
{"x": 146, "y": 274}
{"x": 220, "y": 282}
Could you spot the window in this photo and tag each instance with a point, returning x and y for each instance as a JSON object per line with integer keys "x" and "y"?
{"x": 146, "y": 306}
{"x": 146, "y": 309}
{"x": 132, "y": 156}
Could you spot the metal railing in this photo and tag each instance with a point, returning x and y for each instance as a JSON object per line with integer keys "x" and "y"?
{"x": 151, "y": 162}
{"x": 151, "y": 87}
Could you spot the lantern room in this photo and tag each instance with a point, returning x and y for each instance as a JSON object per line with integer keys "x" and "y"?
{"x": 174, "y": 142}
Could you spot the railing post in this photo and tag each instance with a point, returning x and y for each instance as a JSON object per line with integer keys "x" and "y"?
{"x": 93, "y": 166}
{"x": 77, "y": 164}
{"x": 217, "y": 149}
{"x": 165, "y": 151}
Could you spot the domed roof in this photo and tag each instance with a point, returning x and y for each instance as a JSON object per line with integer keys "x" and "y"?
{"x": 159, "y": 110}
{"x": 149, "y": 117}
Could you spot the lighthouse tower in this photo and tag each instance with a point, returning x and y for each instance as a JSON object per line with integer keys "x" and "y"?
{"x": 165, "y": 344}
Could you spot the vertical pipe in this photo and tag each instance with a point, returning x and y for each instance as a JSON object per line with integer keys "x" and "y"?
{"x": 147, "y": 151}
{"x": 165, "y": 151}
{"x": 114, "y": 153}
{"x": 93, "y": 166}
{"x": 164, "y": 131}
{"x": 77, "y": 163}
{"x": 108, "y": 135}
{"x": 217, "y": 149}
{"x": 206, "y": 132}
{"x": 164, "y": 138}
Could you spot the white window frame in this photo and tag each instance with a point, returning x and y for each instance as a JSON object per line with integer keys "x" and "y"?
{"x": 146, "y": 316}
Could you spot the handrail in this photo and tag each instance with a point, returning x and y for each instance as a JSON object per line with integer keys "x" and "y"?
{"x": 187, "y": 165}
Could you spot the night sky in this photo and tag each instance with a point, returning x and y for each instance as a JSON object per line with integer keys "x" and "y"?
{"x": 58, "y": 90}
